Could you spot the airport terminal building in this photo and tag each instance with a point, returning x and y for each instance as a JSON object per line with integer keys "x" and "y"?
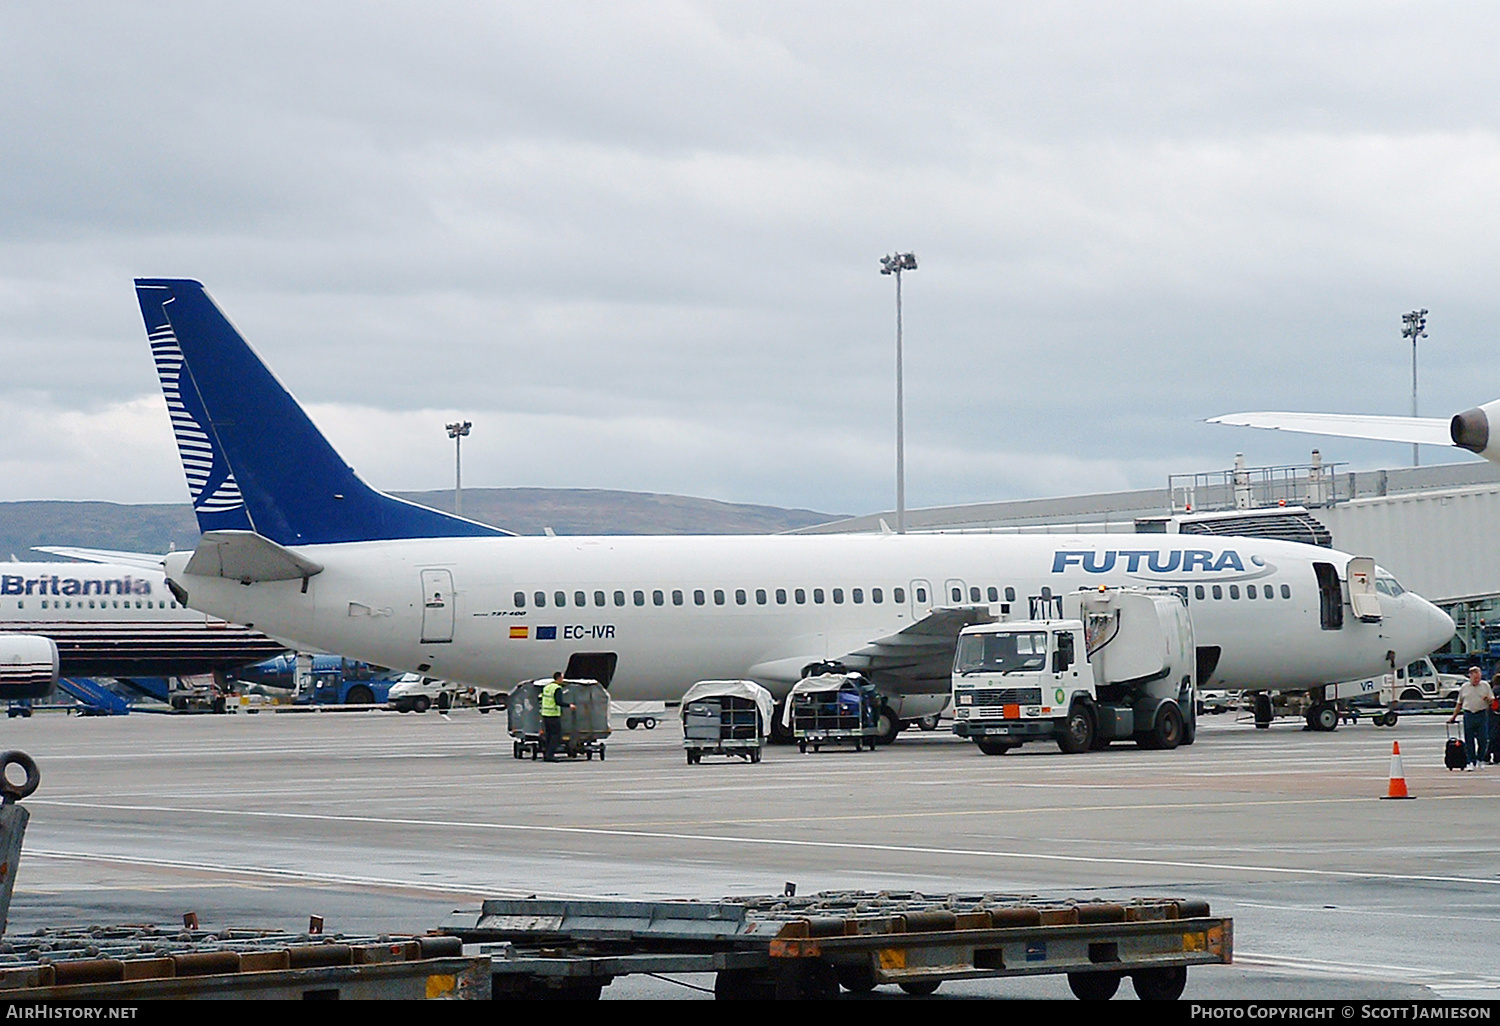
{"x": 1437, "y": 529}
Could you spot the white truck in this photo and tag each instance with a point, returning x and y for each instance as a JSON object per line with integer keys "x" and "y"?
{"x": 1114, "y": 664}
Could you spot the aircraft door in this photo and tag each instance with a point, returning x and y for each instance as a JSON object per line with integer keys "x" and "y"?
{"x": 437, "y": 606}
{"x": 953, "y": 592}
{"x": 1364, "y": 600}
{"x": 921, "y": 599}
{"x": 1330, "y": 597}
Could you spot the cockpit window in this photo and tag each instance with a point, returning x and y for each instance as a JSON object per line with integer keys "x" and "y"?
{"x": 1002, "y": 653}
{"x": 1385, "y": 584}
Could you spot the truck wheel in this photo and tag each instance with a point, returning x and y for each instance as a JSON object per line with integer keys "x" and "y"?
{"x": 1078, "y": 730}
{"x": 421, "y": 705}
{"x": 1163, "y": 984}
{"x": 360, "y": 695}
{"x": 1094, "y": 986}
{"x": 445, "y": 701}
{"x": 994, "y": 747}
{"x": 1166, "y": 733}
{"x": 928, "y": 723}
{"x": 887, "y": 726}
{"x": 1324, "y": 717}
{"x": 920, "y": 988}
{"x": 1411, "y": 695}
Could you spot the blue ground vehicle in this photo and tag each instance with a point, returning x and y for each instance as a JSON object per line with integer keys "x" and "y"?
{"x": 326, "y": 680}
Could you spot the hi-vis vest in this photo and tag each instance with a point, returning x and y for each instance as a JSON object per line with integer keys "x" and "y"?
{"x": 549, "y": 699}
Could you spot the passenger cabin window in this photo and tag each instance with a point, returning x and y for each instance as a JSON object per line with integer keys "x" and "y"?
{"x": 598, "y": 598}
{"x": 838, "y": 595}
{"x": 739, "y": 596}
{"x": 561, "y": 598}
{"x": 1234, "y": 591}
{"x": 698, "y": 597}
{"x": 1286, "y": 591}
{"x": 580, "y": 599}
{"x": 639, "y": 597}
{"x": 1198, "y": 591}
{"x": 541, "y": 599}
{"x": 974, "y": 594}
{"x": 718, "y": 596}
{"x": 520, "y": 600}
{"x": 760, "y": 596}
{"x": 818, "y": 596}
{"x": 800, "y": 596}
{"x": 1010, "y": 594}
{"x": 1218, "y": 591}
{"x": 619, "y": 598}
{"x": 676, "y": 597}
{"x": 993, "y": 594}
{"x": 1250, "y": 591}
{"x": 858, "y": 595}
{"x": 958, "y": 595}
{"x": 781, "y": 596}
{"x": 658, "y": 599}
{"x": 877, "y": 596}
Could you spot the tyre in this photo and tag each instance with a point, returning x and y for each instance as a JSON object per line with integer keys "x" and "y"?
{"x": 1325, "y": 718}
{"x": 755, "y": 755}
{"x": 1411, "y": 695}
{"x": 631, "y": 722}
{"x": 1390, "y": 718}
{"x": 780, "y": 733}
{"x": 518, "y": 750}
{"x": 928, "y": 723}
{"x": 994, "y": 747}
{"x": 857, "y": 979}
{"x": 445, "y": 701}
{"x": 421, "y": 705}
{"x": 649, "y": 723}
{"x": 887, "y": 726}
{"x": 802, "y": 747}
{"x": 1078, "y": 730}
{"x": 1094, "y": 986}
{"x": 921, "y": 988}
{"x": 694, "y": 756}
{"x": 1164, "y": 984}
{"x": 359, "y": 695}
{"x": 1166, "y": 733}
{"x": 1264, "y": 712}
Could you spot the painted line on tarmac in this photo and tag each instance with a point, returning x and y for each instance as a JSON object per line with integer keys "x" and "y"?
{"x": 1443, "y": 981}
{"x": 783, "y": 842}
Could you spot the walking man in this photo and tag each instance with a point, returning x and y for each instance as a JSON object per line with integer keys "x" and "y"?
{"x": 1474, "y": 698}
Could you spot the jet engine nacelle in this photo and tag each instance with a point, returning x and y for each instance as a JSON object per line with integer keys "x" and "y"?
{"x": 28, "y": 666}
{"x": 1471, "y": 430}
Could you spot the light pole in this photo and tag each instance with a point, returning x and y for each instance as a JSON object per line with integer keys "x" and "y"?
{"x": 1414, "y": 326}
{"x": 895, "y": 264}
{"x": 457, "y": 432}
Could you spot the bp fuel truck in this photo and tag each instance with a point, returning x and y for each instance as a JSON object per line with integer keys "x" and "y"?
{"x": 1088, "y": 668}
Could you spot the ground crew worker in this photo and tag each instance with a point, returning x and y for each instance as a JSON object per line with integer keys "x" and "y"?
{"x": 552, "y": 717}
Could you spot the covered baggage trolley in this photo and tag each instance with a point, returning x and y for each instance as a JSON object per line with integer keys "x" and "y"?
{"x": 725, "y": 717}
{"x": 585, "y": 718}
{"x": 833, "y": 708}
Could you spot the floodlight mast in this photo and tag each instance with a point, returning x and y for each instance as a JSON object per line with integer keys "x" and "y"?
{"x": 895, "y": 264}
{"x": 457, "y": 431}
{"x": 1414, "y": 326}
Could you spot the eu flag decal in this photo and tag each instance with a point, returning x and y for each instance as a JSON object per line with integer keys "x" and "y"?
{"x": 546, "y": 634}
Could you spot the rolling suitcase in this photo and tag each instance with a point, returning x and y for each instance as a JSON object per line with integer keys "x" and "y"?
{"x": 1454, "y": 756}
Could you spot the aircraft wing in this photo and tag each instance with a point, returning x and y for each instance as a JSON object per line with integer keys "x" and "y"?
{"x": 919, "y": 659}
{"x": 1420, "y": 430}
{"x": 143, "y": 560}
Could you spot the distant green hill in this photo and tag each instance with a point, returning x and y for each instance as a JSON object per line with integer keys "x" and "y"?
{"x": 154, "y": 527}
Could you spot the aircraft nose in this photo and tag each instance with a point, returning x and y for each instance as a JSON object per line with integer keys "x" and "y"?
{"x": 1435, "y": 627}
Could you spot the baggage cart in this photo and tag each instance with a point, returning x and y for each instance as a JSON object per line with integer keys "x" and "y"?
{"x": 832, "y": 709}
{"x": 783, "y": 946}
{"x": 585, "y": 718}
{"x": 725, "y": 717}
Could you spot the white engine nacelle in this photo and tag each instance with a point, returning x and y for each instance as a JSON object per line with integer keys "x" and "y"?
{"x": 28, "y": 666}
{"x": 1472, "y": 430}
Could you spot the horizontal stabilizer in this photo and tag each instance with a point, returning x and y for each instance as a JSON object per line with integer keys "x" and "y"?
{"x": 247, "y": 557}
{"x": 1418, "y": 430}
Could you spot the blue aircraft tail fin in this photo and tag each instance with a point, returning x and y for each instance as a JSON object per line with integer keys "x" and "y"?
{"x": 253, "y": 459}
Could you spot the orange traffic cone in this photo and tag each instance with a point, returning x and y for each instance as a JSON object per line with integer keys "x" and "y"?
{"x": 1397, "y": 788}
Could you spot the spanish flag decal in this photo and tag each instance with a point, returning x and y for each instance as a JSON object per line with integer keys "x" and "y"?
{"x": 520, "y": 632}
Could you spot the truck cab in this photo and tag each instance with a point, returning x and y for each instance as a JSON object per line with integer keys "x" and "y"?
{"x": 1115, "y": 664}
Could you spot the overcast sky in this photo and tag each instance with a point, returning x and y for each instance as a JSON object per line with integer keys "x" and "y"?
{"x": 638, "y": 244}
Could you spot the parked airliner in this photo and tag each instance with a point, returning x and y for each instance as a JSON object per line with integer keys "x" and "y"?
{"x": 120, "y": 620}
{"x": 297, "y": 545}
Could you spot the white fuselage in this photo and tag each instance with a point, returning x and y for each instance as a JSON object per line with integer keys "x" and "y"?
{"x": 636, "y": 597}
